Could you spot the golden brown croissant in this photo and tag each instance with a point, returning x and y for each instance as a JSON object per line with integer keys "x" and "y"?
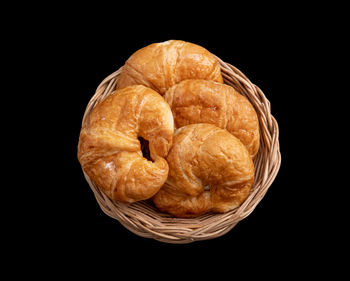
{"x": 201, "y": 101}
{"x": 109, "y": 150}
{"x": 209, "y": 170}
{"x": 161, "y": 65}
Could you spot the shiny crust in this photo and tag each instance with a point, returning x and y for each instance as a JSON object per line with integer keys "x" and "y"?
{"x": 110, "y": 152}
{"x": 161, "y": 65}
{"x": 201, "y": 101}
{"x": 202, "y": 156}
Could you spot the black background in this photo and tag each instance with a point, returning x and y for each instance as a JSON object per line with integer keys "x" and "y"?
{"x": 69, "y": 230}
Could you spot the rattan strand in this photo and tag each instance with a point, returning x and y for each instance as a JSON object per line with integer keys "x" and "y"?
{"x": 143, "y": 219}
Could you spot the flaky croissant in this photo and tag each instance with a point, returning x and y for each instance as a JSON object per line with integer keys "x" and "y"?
{"x": 201, "y": 101}
{"x": 109, "y": 150}
{"x": 161, "y": 65}
{"x": 209, "y": 170}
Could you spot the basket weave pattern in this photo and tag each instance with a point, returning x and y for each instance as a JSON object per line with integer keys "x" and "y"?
{"x": 143, "y": 219}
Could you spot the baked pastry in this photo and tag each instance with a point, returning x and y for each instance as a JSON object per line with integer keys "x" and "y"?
{"x": 201, "y": 101}
{"x": 209, "y": 170}
{"x": 161, "y": 65}
{"x": 109, "y": 150}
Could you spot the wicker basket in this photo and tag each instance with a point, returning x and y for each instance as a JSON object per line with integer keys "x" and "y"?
{"x": 143, "y": 219}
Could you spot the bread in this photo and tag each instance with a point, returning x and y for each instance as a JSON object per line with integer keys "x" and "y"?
{"x": 109, "y": 150}
{"x": 127, "y": 144}
{"x": 162, "y": 65}
{"x": 209, "y": 170}
{"x": 200, "y": 101}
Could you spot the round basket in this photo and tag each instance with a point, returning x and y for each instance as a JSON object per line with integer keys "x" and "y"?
{"x": 144, "y": 219}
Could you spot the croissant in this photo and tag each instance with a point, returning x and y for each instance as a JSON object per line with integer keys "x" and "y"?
{"x": 201, "y": 101}
{"x": 209, "y": 170}
{"x": 162, "y": 65}
{"x": 109, "y": 150}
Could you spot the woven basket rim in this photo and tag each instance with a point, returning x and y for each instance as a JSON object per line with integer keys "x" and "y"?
{"x": 144, "y": 219}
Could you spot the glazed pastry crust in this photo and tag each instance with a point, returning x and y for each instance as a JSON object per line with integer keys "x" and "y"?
{"x": 203, "y": 156}
{"x": 200, "y": 101}
{"x": 162, "y": 65}
{"x": 109, "y": 150}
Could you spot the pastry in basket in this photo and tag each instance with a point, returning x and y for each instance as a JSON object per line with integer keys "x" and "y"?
{"x": 209, "y": 170}
{"x": 201, "y": 101}
{"x": 161, "y": 65}
{"x": 109, "y": 150}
